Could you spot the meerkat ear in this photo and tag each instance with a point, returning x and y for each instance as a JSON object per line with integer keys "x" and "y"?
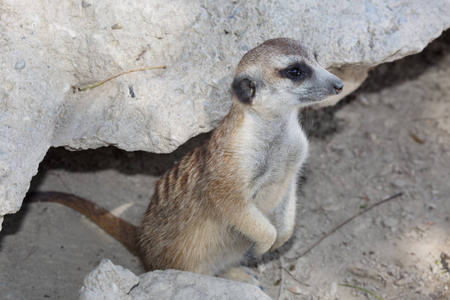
{"x": 244, "y": 88}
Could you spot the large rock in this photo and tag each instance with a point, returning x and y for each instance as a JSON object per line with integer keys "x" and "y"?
{"x": 47, "y": 47}
{"x": 108, "y": 281}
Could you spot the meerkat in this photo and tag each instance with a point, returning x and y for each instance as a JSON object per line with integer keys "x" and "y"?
{"x": 237, "y": 192}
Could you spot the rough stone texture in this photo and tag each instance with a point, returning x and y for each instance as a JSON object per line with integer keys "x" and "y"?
{"x": 108, "y": 281}
{"x": 172, "y": 284}
{"x": 46, "y": 47}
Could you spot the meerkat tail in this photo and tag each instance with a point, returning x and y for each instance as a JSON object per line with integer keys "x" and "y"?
{"x": 118, "y": 228}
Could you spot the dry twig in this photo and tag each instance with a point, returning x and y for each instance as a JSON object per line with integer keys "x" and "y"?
{"x": 34, "y": 249}
{"x": 281, "y": 279}
{"x": 404, "y": 295}
{"x": 342, "y": 224}
{"x": 123, "y": 73}
{"x": 293, "y": 277}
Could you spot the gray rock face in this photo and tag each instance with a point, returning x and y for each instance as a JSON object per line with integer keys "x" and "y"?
{"x": 108, "y": 281}
{"x": 172, "y": 284}
{"x": 47, "y": 47}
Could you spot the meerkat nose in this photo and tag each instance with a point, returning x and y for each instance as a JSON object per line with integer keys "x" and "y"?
{"x": 338, "y": 86}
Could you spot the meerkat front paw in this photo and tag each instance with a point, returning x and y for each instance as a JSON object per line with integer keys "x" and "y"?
{"x": 280, "y": 241}
{"x": 282, "y": 237}
{"x": 261, "y": 247}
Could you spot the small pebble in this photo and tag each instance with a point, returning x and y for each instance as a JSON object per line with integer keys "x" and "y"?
{"x": 364, "y": 101}
{"x": 131, "y": 90}
{"x": 402, "y": 281}
{"x": 294, "y": 289}
{"x": 333, "y": 288}
{"x": 117, "y": 26}
{"x": 9, "y": 85}
{"x": 400, "y": 183}
{"x": 85, "y": 4}
{"x": 20, "y": 65}
{"x": 390, "y": 223}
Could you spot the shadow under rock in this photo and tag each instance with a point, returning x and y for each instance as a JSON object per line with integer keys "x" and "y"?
{"x": 12, "y": 224}
{"x": 407, "y": 68}
{"x": 130, "y": 163}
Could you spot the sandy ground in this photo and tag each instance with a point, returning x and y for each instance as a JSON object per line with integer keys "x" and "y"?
{"x": 392, "y": 136}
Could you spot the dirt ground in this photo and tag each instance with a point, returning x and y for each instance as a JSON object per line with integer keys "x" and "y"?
{"x": 392, "y": 136}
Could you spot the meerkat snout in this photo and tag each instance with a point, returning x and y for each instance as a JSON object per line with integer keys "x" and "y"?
{"x": 331, "y": 84}
{"x": 338, "y": 87}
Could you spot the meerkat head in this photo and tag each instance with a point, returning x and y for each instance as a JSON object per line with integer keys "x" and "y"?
{"x": 280, "y": 74}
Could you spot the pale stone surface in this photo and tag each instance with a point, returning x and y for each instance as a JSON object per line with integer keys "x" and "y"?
{"x": 172, "y": 284}
{"x": 109, "y": 281}
{"x": 46, "y": 47}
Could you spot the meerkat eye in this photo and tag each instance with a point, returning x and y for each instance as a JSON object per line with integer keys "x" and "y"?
{"x": 294, "y": 72}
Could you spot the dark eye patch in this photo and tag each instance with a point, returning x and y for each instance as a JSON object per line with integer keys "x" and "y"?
{"x": 296, "y": 72}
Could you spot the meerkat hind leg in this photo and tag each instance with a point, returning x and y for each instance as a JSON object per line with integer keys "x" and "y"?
{"x": 242, "y": 274}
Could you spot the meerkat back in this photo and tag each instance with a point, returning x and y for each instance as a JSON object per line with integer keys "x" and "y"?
{"x": 237, "y": 192}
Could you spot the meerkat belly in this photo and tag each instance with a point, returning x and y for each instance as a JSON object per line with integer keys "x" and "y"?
{"x": 274, "y": 174}
{"x": 276, "y": 155}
